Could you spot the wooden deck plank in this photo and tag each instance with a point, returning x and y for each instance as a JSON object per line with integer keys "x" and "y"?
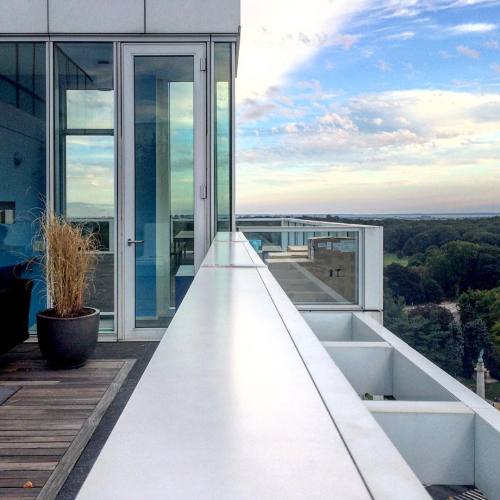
{"x": 38, "y": 432}
{"x": 46, "y": 466}
{"x": 32, "y": 452}
{"x": 21, "y": 440}
{"x": 20, "y": 481}
{"x": 32, "y": 445}
{"x": 19, "y": 492}
{"x": 46, "y": 424}
{"x": 26, "y": 475}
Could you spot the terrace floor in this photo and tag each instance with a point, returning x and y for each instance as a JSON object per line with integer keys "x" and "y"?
{"x": 53, "y": 423}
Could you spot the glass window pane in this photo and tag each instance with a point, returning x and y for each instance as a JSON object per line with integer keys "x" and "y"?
{"x": 90, "y": 176}
{"x": 22, "y": 164}
{"x": 85, "y": 154}
{"x": 90, "y": 109}
{"x": 223, "y": 181}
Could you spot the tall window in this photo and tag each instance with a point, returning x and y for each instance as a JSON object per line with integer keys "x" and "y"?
{"x": 85, "y": 154}
{"x": 223, "y": 132}
{"x": 22, "y": 162}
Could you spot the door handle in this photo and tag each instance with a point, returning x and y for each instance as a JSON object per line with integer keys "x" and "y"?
{"x": 134, "y": 242}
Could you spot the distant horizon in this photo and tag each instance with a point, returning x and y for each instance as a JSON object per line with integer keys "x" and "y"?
{"x": 371, "y": 215}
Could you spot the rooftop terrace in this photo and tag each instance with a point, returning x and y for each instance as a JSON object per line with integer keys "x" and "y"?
{"x": 248, "y": 397}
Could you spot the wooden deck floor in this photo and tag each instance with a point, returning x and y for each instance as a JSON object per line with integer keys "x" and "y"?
{"x": 46, "y": 424}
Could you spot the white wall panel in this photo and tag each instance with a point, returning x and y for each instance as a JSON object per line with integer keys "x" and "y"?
{"x": 192, "y": 16}
{"x": 374, "y": 268}
{"x": 96, "y": 16}
{"x": 330, "y": 325}
{"x": 23, "y": 16}
{"x": 438, "y": 445}
{"x": 367, "y": 365}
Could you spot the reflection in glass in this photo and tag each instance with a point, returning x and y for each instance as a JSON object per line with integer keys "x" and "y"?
{"x": 22, "y": 163}
{"x": 85, "y": 154}
{"x": 223, "y": 181}
{"x": 89, "y": 176}
{"x": 164, "y": 185}
{"x": 313, "y": 268}
{"x": 90, "y": 109}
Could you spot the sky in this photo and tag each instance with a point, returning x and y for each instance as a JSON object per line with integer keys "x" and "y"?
{"x": 368, "y": 106}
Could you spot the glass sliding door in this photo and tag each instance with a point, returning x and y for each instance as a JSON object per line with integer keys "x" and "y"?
{"x": 85, "y": 155}
{"x": 164, "y": 177}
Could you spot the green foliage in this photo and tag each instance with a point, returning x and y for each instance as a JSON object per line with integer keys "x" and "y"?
{"x": 395, "y": 315}
{"x": 484, "y": 306}
{"x": 436, "y": 236}
{"x": 392, "y": 258}
{"x": 405, "y": 282}
{"x": 476, "y": 337}
{"x": 433, "y": 291}
{"x": 429, "y": 329}
{"x": 460, "y": 265}
{"x": 480, "y": 304}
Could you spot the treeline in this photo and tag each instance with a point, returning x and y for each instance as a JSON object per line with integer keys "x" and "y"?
{"x": 408, "y": 237}
{"x": 445, "y": 272}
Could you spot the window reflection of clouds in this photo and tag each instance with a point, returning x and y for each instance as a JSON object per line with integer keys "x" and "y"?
{"x": 90, "y": 178}
{"x": 90, "y": 109}
{"x": 182, "y": 138}
{"x": 222, "y": 124}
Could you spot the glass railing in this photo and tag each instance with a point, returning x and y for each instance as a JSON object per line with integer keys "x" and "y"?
{"x": 315, "y": 263}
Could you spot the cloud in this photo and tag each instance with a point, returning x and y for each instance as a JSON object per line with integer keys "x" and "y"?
{"x": 423, "y": 147}
{"x": 470, "y": 28}
{"x": 472, "y": 3}
{"x": 468, "y": 52}
{"x": 279, "y": 36}
{"x": 393, "y": 124}
{"x": 405, "y": 35}
{"x": 492, "y": 44}
{"x": 334, "y": 119}
{"x": 495, "y": 67}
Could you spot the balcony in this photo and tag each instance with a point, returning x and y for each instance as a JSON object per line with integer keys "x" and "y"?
{"x": 251, "y": 396}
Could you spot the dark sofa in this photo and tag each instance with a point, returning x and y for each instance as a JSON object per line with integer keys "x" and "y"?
{"x": 15, "y": 298}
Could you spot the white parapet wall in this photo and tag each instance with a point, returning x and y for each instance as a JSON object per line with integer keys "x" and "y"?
{"x": 446, "y": 433}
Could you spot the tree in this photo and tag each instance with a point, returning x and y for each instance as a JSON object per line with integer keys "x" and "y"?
{"x": 405, "y": 282}
{"x": 476, "y": 337}
{"x": 480, "y": 304}
{"x": 439, "y": 269}
{"x": 433, "y": 291}
{"x": 432, "y": 331}
{"x": 454, "y": 350}
{"x": 395, "y": 315}
{"x": 435, "y": 236}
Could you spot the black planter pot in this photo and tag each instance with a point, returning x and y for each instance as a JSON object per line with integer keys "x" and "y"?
{"x": 67, "y": 342}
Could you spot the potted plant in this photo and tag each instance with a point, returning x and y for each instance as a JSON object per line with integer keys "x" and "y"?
{"x": 67, "y": 332}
